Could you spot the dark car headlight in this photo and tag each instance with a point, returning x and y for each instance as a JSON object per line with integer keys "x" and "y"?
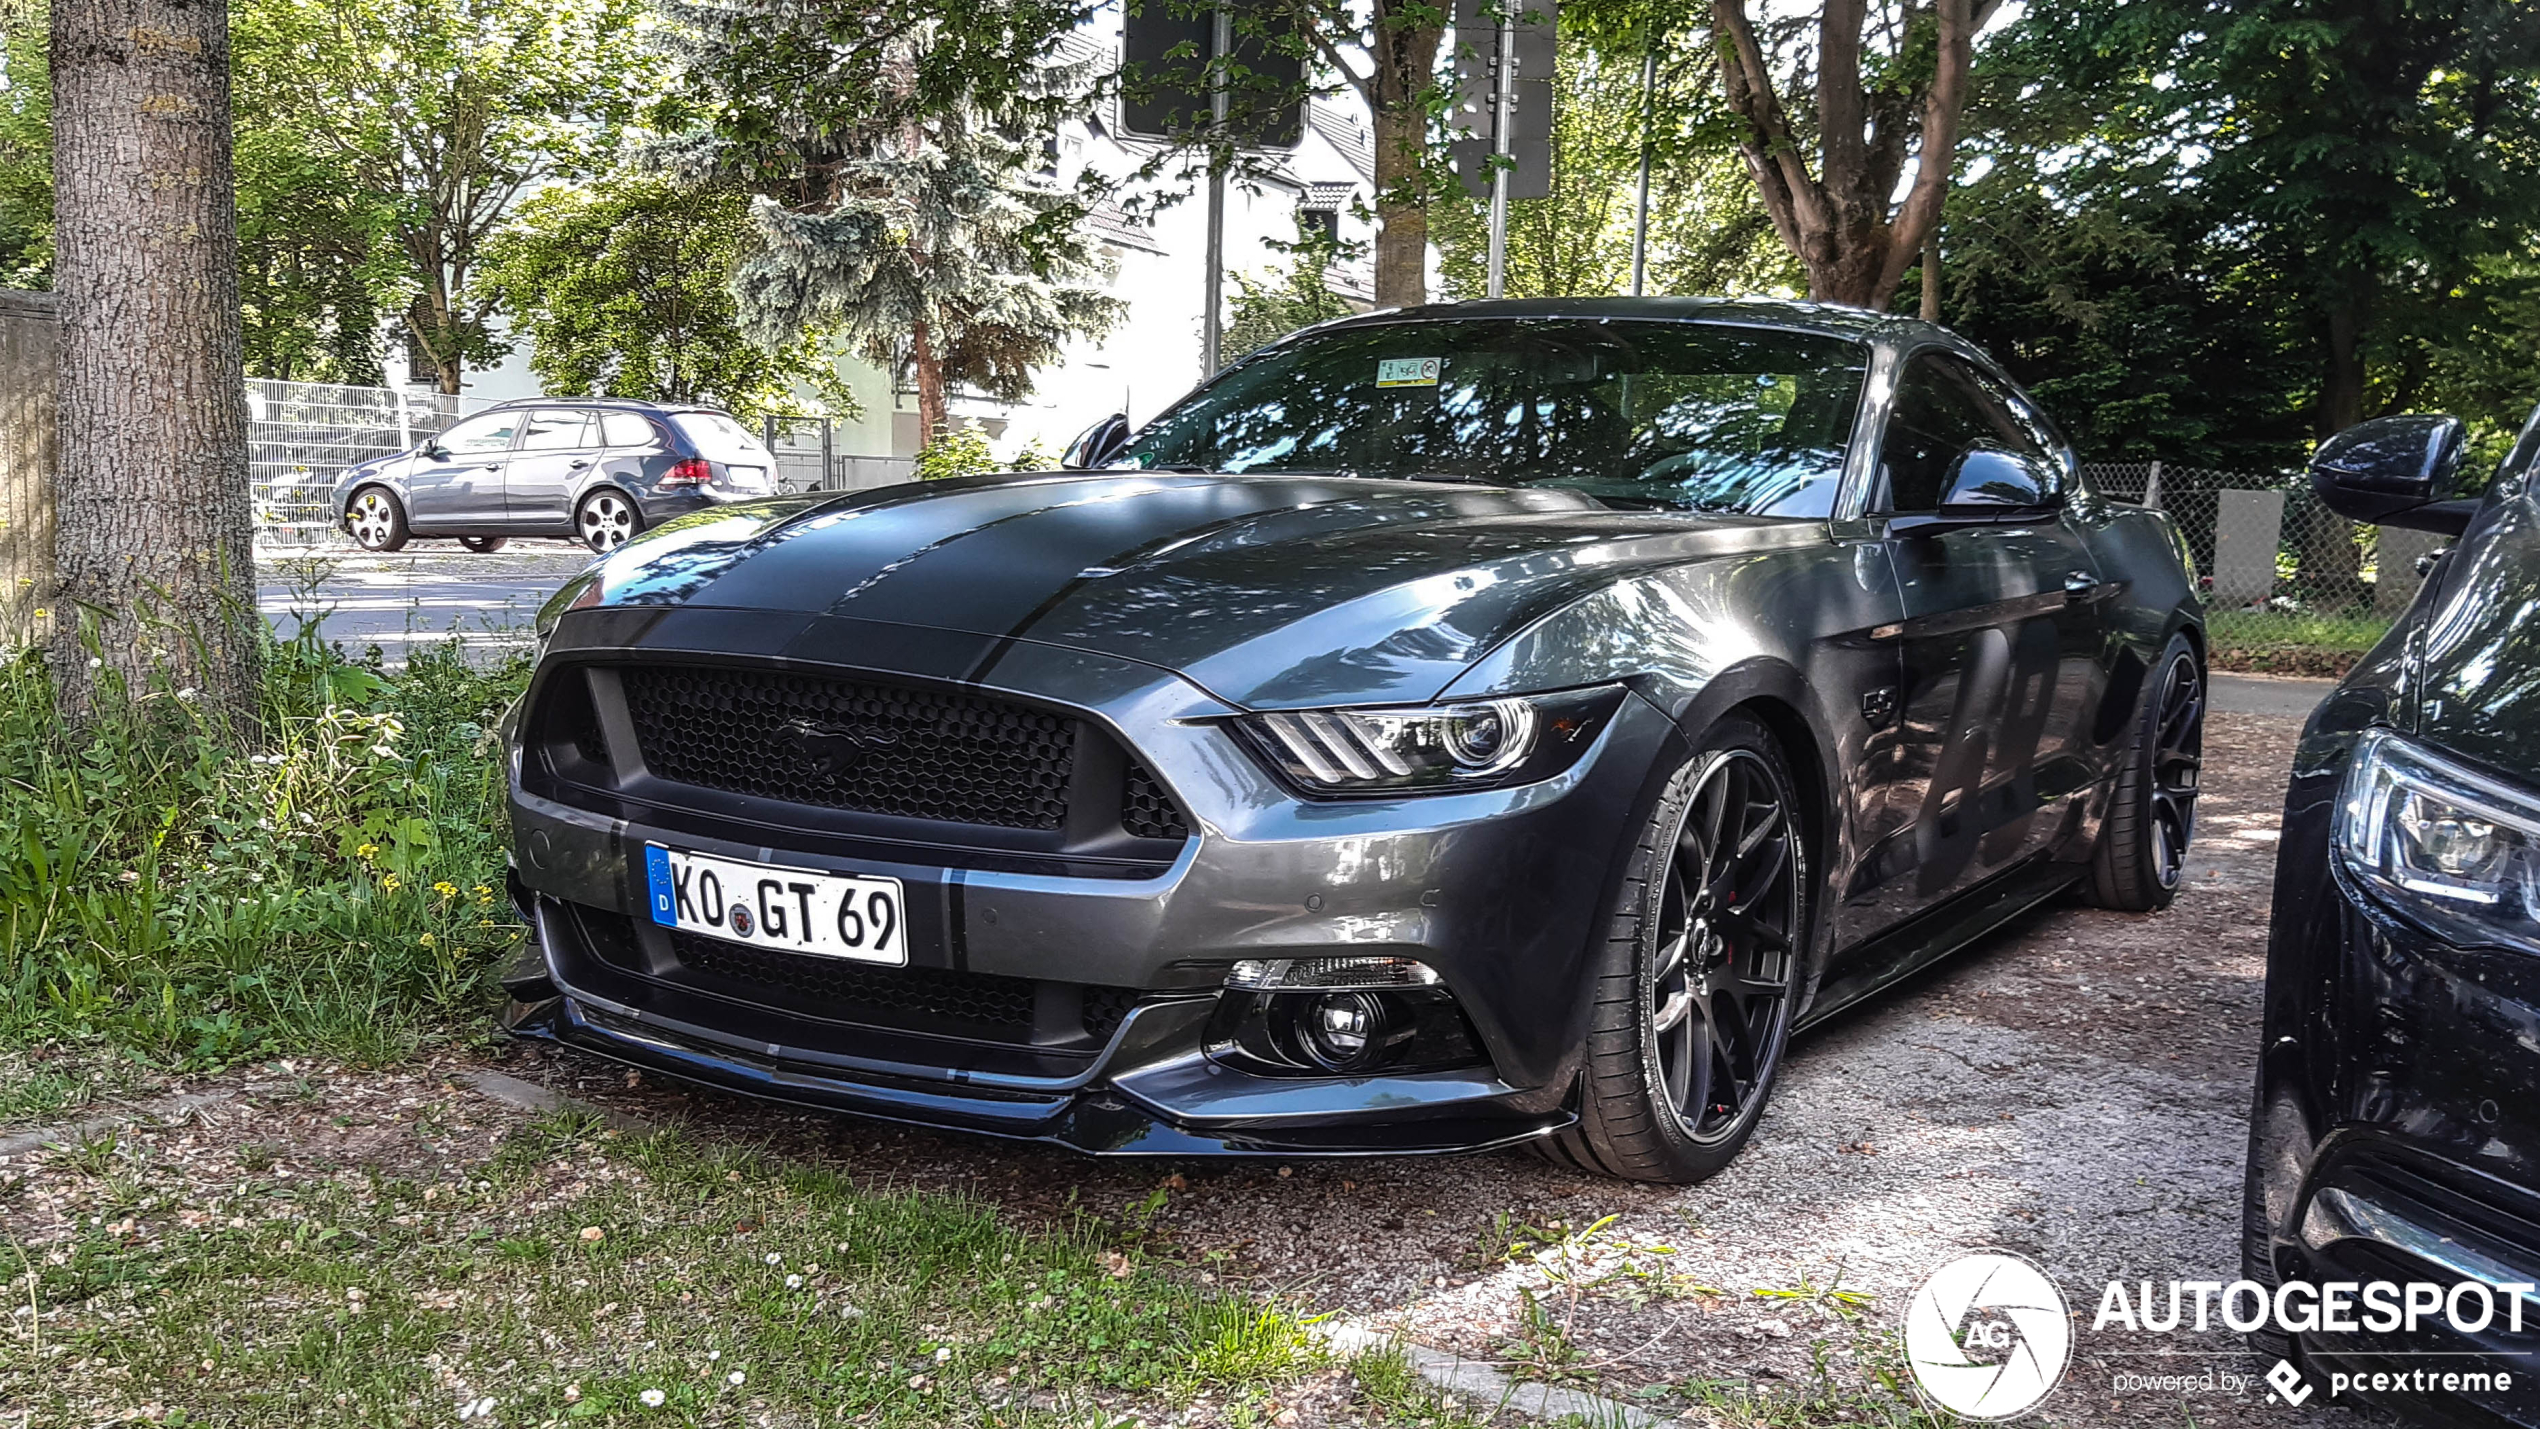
{"x": 2453, "y": 849}
{"x": 1429, "y": 749}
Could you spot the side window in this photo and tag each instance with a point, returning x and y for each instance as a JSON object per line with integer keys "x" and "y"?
{"x": 482, "y": 436}
{"x": 1944, "y": 410}
{"x": 555, "y": 429}
{"x": 625, "y": 429}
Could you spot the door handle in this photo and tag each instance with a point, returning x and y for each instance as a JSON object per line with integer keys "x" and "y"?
{"x": 2080, "y": 586}
{"x": 577, "y": 466}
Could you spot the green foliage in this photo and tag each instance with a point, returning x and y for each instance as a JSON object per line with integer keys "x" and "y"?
{"x": 1267, "y": 308}
{"x": 1708, "y": 233}
{"x": 26, "y": 152}
{"x": 623, "y": 289}
{"x": 189, "y": 902}
{"x": 955, "y": 451}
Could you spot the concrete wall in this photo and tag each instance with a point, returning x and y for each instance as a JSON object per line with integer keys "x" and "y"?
{"x": 27, "y": 336}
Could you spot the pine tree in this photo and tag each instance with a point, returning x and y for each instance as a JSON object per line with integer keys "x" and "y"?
{"x": 937, "y": 257}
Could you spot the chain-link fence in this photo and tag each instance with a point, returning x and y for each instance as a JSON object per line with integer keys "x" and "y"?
{"x": 2281, "y": 571}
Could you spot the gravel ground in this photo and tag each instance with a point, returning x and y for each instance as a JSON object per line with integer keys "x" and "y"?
{"x": 2075, "y": 1089}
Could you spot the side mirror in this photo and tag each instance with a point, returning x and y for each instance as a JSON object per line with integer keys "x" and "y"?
{"x": 1986, "y": 487}
{"x": 2395, "y": 471}
{"x": 1098, "y": 444}
{"x": 434, "y": 451}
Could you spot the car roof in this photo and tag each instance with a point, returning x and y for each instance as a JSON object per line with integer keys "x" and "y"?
{"x": 1829, "y": 319}
{"x": 619, "y": 404}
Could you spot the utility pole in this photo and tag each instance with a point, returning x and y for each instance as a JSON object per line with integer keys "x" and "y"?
{"x": 1648, "y": 142}
{"x": 1503, "y": 91}
{"x": 1212, "y": 327}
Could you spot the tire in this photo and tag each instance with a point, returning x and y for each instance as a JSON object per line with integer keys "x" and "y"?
{"x": 606, "y": 519}
{"x": 2142, "y": 852}
{"x": 376, "y": 520}
{"x": 1693, "y": 1003}
{"x": 485, "y": 545}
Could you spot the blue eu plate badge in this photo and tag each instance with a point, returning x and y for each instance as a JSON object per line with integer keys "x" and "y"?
{"x": 657, "y": 879}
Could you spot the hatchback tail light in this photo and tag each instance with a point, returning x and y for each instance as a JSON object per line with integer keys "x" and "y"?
{"x": 695, "y": 471}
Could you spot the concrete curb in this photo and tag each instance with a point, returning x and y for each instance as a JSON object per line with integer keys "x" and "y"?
{"x": 1479, "y": 1384}
{"x": 19, "y": 1142}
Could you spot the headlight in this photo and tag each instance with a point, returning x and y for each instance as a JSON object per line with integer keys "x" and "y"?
{"x": 1430, "y": 748}
{"x": 2453, "y": 849}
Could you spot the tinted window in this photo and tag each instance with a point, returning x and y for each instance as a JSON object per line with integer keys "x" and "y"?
{"x": 1696, "y": 415}
{"x": 1944, "y": 410}
{"x": 718, "y": 437}
{"x": 491, "y": 432}
{"x": 625, "y": 429}
{"x": 555, "y": 430}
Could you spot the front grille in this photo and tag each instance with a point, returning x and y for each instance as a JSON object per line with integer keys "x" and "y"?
{"x": 845, "y": 744}
{"x": 1146, "y": 811}
{"x": 918, "y": 999}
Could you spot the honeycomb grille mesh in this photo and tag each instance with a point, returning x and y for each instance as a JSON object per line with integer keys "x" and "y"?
{"x": 841, "y": 744}
{"x": 1001, "y": 1008}
{"x": 1146, "y": 811}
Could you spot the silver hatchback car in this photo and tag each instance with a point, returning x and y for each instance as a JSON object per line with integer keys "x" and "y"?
{"x": 595, "y": 470}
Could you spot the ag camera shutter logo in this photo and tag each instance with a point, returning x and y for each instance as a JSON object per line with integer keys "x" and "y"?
{"x": 1988, "y": 1336}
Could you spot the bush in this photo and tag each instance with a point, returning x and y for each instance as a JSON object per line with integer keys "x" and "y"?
{"x": 955, "y": 451}
{"x": 334, "y": 890}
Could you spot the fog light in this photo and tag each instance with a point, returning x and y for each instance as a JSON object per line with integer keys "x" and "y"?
{"x": 1350, "y": 1031}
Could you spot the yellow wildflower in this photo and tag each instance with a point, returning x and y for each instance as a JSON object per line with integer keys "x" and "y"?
{"x": 390, "y": 882}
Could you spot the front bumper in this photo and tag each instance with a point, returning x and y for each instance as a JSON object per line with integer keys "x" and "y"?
{"x": 1501, "y": 892}
{"x": 2395, "y": 1140}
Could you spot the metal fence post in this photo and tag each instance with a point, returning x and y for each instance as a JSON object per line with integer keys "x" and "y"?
{"x": 828, "y": 453}
{"x": 2152, "y": 488}
{"x": 767, "y": 431}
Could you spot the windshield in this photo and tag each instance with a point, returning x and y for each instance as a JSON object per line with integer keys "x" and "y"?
{"x": 1702, "y": 416}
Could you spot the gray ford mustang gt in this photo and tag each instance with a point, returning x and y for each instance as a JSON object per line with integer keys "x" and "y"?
{"x": 1499, "y": 723}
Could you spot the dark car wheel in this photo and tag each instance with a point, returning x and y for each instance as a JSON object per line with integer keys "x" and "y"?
{"x": 2142, "y": 850}
{"x": 606, "y": 519}
{"x": 485, "y": 545}
{"x": 1699, "y": 971}
{"x": 376, "y": 519}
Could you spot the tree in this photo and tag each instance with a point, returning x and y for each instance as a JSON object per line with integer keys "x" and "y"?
{"x": 450, "y": 110}
{"x": 1861, "y": 98}
{"x": 151, "y": 498}
{"x": 624, "y": 290}
{"x": 1386, "y": 51}
{"x": 937, "y": 258}
{"x": 1267, "y": 308}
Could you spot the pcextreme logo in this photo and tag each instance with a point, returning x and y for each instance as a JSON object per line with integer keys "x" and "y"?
{"x": 1988, "y": 1336}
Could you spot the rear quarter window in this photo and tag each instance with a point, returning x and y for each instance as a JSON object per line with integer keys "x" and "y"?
{"x": 719, "y": 438}
{"x": 625, "y": 429}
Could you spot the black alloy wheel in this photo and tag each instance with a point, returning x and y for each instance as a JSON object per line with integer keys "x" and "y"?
{"x": 2151, "y": 820}
{"x": 1699, "y": 976}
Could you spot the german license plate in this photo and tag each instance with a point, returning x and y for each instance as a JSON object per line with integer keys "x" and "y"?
{"x": 797, "y": 910}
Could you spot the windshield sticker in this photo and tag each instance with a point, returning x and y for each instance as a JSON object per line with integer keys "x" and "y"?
{"x": 1407, "y": 372}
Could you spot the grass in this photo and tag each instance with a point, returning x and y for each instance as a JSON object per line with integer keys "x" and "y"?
{"x": 576, "y": 1275}
{"x": 173, "y": 901}
{"x": 2292, "y": 642}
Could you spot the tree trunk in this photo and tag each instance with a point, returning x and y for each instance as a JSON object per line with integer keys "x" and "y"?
{"x": 2332, "y": 566}
{"x": 154, "y": 514}
{"x": 1406, "y": 56}
{"x": 929, "y": 371}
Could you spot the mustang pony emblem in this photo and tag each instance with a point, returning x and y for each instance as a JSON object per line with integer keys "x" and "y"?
{"x": 833, "y": 749}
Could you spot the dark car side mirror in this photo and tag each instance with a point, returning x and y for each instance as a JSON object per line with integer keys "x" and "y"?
{"x": 1986, "y": 487}
{"x": 434, "y": 451}
{"x": 2395, "y": 471}
{"x": 1098, "y": 444}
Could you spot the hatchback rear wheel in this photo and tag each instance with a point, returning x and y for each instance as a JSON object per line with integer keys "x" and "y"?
{"x": 606, "y": 519}
{"x": 1699, "y": 974}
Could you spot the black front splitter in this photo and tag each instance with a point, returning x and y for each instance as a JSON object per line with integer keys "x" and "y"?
{"x": 1095, "y": 1121}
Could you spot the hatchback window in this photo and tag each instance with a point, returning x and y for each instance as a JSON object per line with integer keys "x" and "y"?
{"x": 555, "y": 430}
{"x": 719, "y": 438}
{"x": 490, "y": 432}
{"x": 625, "y": 429}
{"x": 1689, "y": 415}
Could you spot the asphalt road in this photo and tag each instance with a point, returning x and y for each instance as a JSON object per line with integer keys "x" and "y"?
{"x": 430, "y": 593}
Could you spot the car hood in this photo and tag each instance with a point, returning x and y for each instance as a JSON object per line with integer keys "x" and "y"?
{"x": 2479, "y": 682}
{"x": 1267, "y": 591}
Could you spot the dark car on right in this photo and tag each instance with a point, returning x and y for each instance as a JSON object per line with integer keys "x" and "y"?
{"x": 2396, "y": 1132}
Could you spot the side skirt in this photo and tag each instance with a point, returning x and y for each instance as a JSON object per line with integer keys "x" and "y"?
{"x": 1926, "y": 939}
